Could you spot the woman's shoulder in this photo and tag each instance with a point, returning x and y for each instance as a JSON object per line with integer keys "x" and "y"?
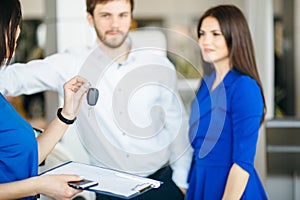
{"x": 242, "y": 81}
{"x": 244, "y": 88}
{"x": 246, "y": 96}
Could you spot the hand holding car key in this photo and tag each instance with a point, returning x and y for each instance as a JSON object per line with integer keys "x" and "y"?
{"x": 92, "y": 97}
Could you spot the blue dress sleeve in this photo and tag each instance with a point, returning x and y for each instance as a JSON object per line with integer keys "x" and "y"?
{"x": 247, "y": 110}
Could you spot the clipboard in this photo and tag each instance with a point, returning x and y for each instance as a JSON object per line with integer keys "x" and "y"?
{"x": 110, "y": 182}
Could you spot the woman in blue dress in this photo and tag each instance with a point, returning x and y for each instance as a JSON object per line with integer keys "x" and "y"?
{"x": 227, "y": 111}
{"x": 20, "y": 151}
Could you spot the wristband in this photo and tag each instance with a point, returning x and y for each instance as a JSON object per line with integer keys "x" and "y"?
{"x": 63, "y": 119}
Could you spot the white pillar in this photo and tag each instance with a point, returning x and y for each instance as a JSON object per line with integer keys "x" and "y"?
{"x": 73, "y": 29}
{"x": 67, "y": 25}
{"x": 260, "y": 18}
{"x": 297, "y": 56}
{"x": 51, "y": 98}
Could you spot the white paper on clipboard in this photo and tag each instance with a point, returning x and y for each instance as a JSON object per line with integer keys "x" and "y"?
{"x": 111, "y": 182}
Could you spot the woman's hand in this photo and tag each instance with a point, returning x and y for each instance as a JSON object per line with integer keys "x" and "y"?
{"x": 56, "y": 186}
{"x": 74, "y": 90}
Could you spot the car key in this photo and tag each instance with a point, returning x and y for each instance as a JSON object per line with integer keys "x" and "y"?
{"x": 92, "y": 98}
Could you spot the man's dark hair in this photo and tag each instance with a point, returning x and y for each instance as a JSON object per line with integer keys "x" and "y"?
{"x": 91, "y": 4}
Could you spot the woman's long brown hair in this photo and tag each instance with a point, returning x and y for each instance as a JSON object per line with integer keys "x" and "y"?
{"x": 10, "y": 20}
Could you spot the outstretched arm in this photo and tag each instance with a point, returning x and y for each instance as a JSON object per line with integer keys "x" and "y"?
{"x": 38, "y": 75}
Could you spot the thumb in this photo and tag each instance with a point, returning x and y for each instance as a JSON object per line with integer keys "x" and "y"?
{"x": 83, "y": 89}
{"x": 70, "y": 177}
{"x": 78, "y": 96}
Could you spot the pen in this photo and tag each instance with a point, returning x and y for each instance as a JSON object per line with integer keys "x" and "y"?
{"x": 134, "y": 178}
{"x": 128, "y": 177}
{"x": 145, "y": 188}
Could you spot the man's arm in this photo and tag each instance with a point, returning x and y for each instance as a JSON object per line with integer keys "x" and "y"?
{"x": 181, "y": 155}
{"x": 177, "y": 125}
{"x": 37, "y": 75}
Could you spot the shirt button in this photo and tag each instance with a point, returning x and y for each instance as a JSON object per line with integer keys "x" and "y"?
{"x": 127, "y": 155}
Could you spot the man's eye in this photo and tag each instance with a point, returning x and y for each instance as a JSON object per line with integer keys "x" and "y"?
{"x": 124, "y": 15}
{"x": 104, "y": 15}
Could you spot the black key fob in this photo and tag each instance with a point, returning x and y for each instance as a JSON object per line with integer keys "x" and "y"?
{"x": 92, "y": 96}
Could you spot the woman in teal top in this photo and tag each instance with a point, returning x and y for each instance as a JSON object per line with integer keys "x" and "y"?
{"x": 20, "y": 151}
{"x": 227, "y": 112}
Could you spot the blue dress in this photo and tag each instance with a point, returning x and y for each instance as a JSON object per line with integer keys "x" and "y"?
{"x": 224, "y": 126}
{"x": 18, "y": 146}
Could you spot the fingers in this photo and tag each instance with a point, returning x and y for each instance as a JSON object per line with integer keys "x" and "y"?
{"x": 71, "y": 192}
{"x": 83, "y": 88}
{"x": 76, "y": 83}
{"x": 74, "y": 91}
{"x": 56, "y": 186}
{"x": 81, "y": 91}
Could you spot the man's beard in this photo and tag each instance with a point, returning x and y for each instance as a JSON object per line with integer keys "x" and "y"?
{"x": 113, "y": 42}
